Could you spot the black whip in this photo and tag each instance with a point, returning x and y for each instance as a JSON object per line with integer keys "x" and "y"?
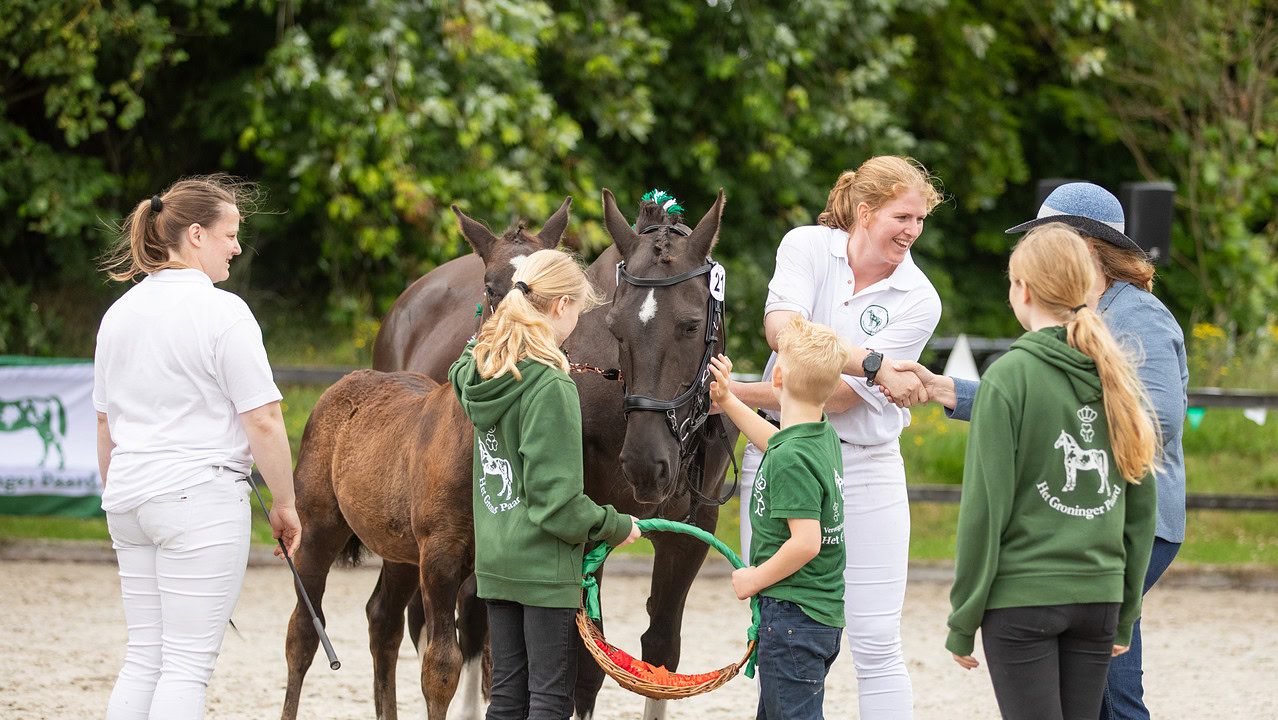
{"x": 333, "y": 662}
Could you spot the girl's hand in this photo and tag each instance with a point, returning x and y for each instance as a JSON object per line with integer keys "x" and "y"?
{"x": 721, "y": 386}
{"x": 743, "y": 582}
{"x": 635, "y": 532}
{"x": 967, "y": 662}
{"x": 1119, "y": 650}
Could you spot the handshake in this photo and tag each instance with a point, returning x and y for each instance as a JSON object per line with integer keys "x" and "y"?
{"x": 908, "y": 384}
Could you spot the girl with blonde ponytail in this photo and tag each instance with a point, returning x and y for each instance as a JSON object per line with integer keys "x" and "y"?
{"x": 1056, "y": 522}
{"x": 532, "y": 517}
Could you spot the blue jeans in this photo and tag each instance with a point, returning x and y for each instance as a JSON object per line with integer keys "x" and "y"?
{"x": 1123, "y": 698}
{"x": 795, "y": 653}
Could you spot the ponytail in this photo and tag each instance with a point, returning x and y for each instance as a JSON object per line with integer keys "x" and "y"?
{"x": 1054, "y": 263}
{"x": 520, "y": 327}
{"x": 151, "y": 236}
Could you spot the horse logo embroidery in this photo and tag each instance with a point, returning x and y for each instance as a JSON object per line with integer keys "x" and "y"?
{"x": 45, "y": 415}
{"x": 837, "y": 502}
{"x": 873, "y": 319}
{"x": 499, "y": 468}
{"x": 1076, "y": 458}
{"x": 760, "y": 484}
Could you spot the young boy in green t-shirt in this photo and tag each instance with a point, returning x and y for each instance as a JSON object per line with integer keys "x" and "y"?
{"x": 796, "y": 516}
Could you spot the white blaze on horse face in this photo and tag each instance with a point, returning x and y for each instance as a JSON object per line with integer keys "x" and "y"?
{"x": 468, "y": 701}
{"x": 649, "y": 308}
{"x": 654, "y": 709}
{"x": 518, "y": 260}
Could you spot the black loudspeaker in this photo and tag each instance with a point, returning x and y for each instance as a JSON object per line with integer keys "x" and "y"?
{"x": 1045, "y": 188}
{"x": 1147, "y": 207}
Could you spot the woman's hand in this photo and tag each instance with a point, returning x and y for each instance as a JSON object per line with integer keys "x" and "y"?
{"x": 721, "y": 386}
{"x": 967, "y": 662}
{"x": 286, "y": 526}
{"x": 635, "y": 532}
{"x": 1119, "y": 650}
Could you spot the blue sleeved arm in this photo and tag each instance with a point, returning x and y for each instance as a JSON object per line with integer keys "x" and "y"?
{"x": 965, "y": 393}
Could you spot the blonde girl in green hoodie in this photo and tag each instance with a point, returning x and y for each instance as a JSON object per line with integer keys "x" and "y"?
{"x": 532, "y": 517}
{"x": 1055, "y": 524}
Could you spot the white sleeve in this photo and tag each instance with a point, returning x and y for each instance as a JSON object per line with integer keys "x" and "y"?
{"x": 903, "y": 339}
{"x": 794, "y": 282}
{"x": 242, "y": 370}
{"x": 99, "y": 378}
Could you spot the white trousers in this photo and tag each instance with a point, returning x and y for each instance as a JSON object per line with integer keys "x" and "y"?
{"x": 182, "y": 558}
{"x": 877, "y": 535}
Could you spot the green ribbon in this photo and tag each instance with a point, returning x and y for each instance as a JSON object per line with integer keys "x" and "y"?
{"x": 595, "y": 560}
{"x": 479, "y": 309}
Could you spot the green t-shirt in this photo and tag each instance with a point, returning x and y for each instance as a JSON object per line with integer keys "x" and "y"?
{"x": 801, "y": 476}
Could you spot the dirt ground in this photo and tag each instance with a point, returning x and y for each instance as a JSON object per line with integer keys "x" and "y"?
{"x": 1208, "y": 653}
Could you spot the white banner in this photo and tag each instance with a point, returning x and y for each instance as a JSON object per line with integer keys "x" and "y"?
{"x": 48, "y": 430}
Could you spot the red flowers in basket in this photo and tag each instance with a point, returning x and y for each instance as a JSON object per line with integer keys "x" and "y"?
{"x": 658, "y": 675}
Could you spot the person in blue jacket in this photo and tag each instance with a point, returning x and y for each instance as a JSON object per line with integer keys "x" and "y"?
{"x": 1145, "y": 327}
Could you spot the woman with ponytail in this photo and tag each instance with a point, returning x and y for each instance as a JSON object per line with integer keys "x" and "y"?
{"x": 1056, "y": 521}
{"x": 532, "y": 517}
{"x": 186, "y": 404}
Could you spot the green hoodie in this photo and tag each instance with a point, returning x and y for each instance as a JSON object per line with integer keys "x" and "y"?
{"x": 532, "y": 517}
{"x": 1046, "y": 518}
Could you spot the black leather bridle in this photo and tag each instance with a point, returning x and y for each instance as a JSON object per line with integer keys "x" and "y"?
{"x": 697, "y": 396}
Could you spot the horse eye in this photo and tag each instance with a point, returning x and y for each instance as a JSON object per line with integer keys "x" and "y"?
{"x": 691, "y": 330}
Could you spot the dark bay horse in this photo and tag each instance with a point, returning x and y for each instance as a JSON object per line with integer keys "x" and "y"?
{"x": 641, "y": 467}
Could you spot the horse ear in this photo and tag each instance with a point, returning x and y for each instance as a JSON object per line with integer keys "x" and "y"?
{"x": 476, "y": 234}
{"x": 554, "y": 227}
{"x": 623, "y": 236}
{"x": 706, "y": 234}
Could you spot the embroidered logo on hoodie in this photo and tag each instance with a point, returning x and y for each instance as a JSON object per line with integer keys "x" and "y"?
{"x": 497, "y": 470}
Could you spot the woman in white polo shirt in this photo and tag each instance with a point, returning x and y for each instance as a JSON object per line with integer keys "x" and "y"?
{"x": 853, "y": 272}
{"x": 186, "y": 404}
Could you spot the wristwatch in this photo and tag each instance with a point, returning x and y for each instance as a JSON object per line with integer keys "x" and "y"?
{"x": 871, "y": 365}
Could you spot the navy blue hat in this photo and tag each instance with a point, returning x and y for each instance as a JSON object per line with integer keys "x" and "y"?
{"x": 1088, "y": 208}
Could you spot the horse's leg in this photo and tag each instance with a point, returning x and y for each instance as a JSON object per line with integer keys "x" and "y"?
{"x": 385, "y": 609}
{"x": 441, "y": 577}
{"x": 675, "y": 565}
{"x": 320, "y": 546}
{"x": 417, "y": 622}
{"x": 476, "y": 675}
{"x": 590, "y": 677}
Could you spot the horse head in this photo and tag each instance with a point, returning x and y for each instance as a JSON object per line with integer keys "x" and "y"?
{"x": 666, "y": 328}
{"x": 501, "y": 255}
{"x": 1064, "y": 441}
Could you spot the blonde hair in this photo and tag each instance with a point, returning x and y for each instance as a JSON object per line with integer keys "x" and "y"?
{"x": 147, "y": 239}
{"x": 811, "y": 357}
{"x": 520, "y": 326}
{"x": 1053, "y": 262}
{"x": 878, "y": 180}
{"x": 1120, "y": 264}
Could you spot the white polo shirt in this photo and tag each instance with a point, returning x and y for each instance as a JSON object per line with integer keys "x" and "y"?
{"x": 177, "y": 361}
{"x": 895, "y": 316}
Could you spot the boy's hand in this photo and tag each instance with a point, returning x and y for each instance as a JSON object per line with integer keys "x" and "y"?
{"x": 721, "y": 386}
{"x": 966, "y": 661}
{"x": 744, "y": 583}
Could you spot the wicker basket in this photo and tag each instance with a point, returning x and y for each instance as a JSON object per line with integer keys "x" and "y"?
{"x": 591, "y": 636}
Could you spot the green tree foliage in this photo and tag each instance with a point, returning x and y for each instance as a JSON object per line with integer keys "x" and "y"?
{"x": 366, "y": 119}
{"x": 1195, "y": 87}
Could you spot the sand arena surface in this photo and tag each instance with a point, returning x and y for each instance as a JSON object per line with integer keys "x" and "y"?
{"x": 1208, "y": 653}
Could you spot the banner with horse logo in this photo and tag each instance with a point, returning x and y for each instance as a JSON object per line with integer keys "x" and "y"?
{"x": 48, "y": 437}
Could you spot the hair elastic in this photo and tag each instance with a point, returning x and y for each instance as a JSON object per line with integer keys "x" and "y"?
{"x": 1080, "y": 307}
{"x": 156, "y": 204}
{"x": 523, "y": 287}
